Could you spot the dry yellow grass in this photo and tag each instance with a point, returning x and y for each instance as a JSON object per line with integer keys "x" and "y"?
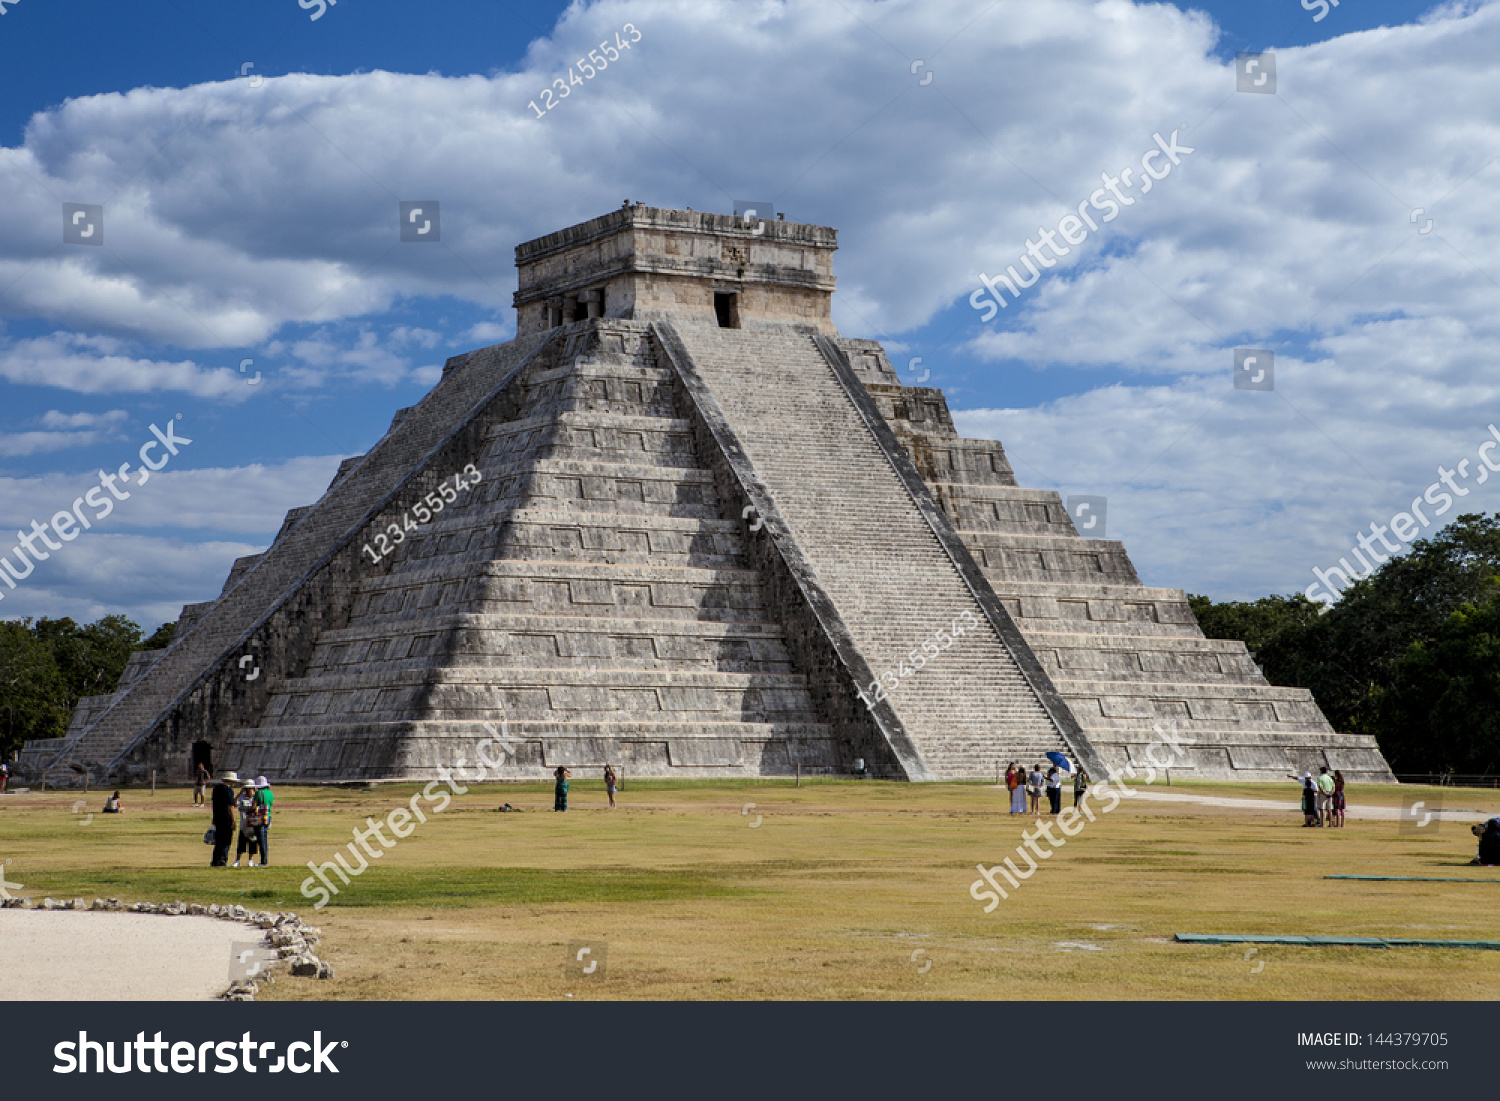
{"x": 845, "y": 890}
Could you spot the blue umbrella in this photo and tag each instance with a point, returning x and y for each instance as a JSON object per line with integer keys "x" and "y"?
{"x": 1060, "y": 760}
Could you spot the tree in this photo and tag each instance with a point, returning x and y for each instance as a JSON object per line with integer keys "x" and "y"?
{"x": 160, "y": 639}
{"x": 90, "y": 658}
{"x": 1368, "y": 658}
{"x": 1441, "y": 710}
{"x": 1257, "y": 623}
{"x": 33, "y": 699}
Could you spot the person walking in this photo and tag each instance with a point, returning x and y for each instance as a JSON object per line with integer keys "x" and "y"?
{"x": 222, "y": 799}
{"x": 249, "y": 833}
{"x": 1034, "y": 783}
{"x": 609, "y": 784}
{"x": 1080, "y": 785}
{"x": 1325, "y": 797}
{"x": 200, "y": 781}
{"x": 266, "y": 797}
{"x": 4, "y": 777}
{"x": 560, "y": 793}
{"x": 1054, "y": 790}
{"x": 1338, "y": 798}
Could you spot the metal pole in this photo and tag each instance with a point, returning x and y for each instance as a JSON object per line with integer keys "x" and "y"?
{"x": 799, "y": 774}
{"x": 153, "y": 783}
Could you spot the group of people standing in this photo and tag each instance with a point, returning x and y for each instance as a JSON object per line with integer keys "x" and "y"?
{"x": 253, "y": 805}
{"x": 1322, "y": 797}
{"x": 1026, "y": 787}
{"x": 560, "y": 792}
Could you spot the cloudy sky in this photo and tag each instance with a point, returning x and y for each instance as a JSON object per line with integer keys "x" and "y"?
{"x": 251, "y": 286}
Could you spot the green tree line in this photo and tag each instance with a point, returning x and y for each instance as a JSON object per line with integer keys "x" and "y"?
{"x": 1410, "y": 654}
{"x": 47, "y": 665}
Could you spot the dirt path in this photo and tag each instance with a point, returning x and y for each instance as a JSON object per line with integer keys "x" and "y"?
{"x": 67, "y": 955}
{"x": 1278, "y": 806}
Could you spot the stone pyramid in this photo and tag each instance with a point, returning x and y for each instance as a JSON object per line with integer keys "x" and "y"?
{"x": 681, "y": 525}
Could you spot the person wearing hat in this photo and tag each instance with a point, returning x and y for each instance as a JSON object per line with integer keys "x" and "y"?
{"x": 222, "y": 803}
{"x": 265, "y": 796}
{"x": 250, "y": 815}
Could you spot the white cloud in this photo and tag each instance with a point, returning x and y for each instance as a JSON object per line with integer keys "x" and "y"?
{"x": 62, "y": 431}
{"x": 148, "y": 579}
{"x": 55, "y": 419}
{"x": 250, "y": 499}
{"x": 487, "y": 332}
{"x": 142, "y": 558}
{"x": 232, "y": 212}
{"x": 97, "y": 365}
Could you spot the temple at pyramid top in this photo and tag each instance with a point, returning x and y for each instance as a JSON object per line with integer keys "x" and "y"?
{"x": 647, "y": 264}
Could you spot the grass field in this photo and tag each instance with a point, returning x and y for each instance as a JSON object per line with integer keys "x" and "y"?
{"x": 845, "y": 889}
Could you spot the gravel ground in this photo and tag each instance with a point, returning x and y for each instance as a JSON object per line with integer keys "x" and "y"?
{"x": 66, "y": 955}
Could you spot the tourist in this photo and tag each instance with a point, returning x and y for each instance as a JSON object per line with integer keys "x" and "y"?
{"x": 1489, "y": 843}
{"x": 609, "y": 784}
{"x": 1338, "y": 798}
{"x": 249, "y": 808}
{"x": 1034, "y": 782}
{"x": 1309, "y": 799}
{"x": 560, "y": 794}
{"x": 222, "y": 798}
{"x": 200, "y": 780}
{"x": 112, "y": 804}
{"x": 1325, "y": 796}
{"x": 1080, "y": 785}
{"x": 266, "y": 796}
{"x": 1015, "y": 783}
{"x": 4, "y": 777}
{"x": 1054, "y": 790}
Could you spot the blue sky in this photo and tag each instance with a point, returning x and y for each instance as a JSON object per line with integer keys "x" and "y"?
{"x": 253, "y": 220}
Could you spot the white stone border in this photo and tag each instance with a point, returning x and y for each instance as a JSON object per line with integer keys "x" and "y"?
{"x": 292, "y": 939}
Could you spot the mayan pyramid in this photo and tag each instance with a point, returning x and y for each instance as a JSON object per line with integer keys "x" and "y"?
{"x": 687, "y": 528}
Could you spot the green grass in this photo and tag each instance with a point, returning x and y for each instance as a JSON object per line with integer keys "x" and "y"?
{"x": 827, "y": 898}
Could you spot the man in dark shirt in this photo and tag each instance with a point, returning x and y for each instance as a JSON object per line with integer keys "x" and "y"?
{"x": 223, "y": 808}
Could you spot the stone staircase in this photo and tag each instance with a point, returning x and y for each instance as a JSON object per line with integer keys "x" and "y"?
{"x": 857, "y": 524}
{"x": 216, "y": 634}
{"x": 1125, "y": 657}
{"x": 586, "y": 599}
